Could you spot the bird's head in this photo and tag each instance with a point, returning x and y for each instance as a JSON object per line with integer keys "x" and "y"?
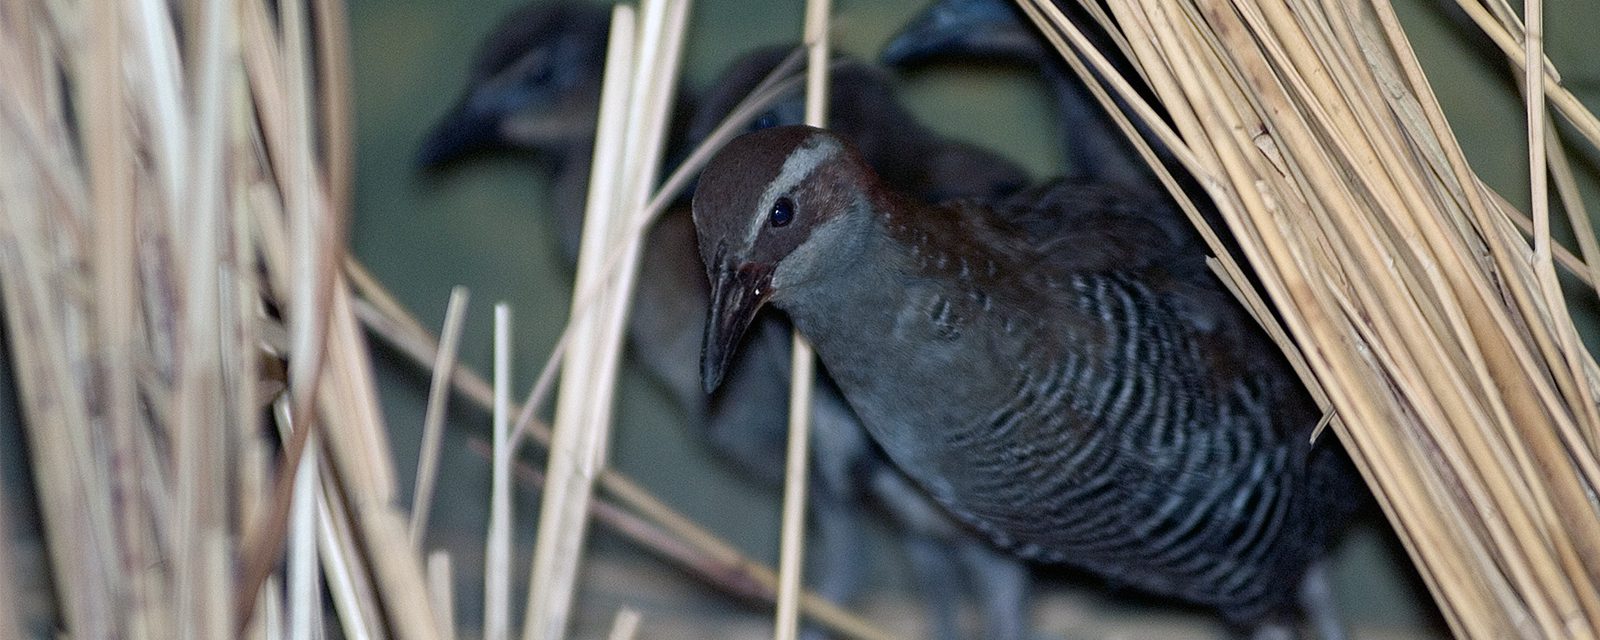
{"x": 734, "y": 84}
{"x": 775, "y": 210}
{"x": 962, "y": 29}
{"x": 860, "y": 98}
{"x": 535, "y": 85}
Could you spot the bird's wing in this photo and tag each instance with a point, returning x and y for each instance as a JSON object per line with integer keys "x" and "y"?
{"x": 1079, "y": 226}
{"x": 1086, "y": 226}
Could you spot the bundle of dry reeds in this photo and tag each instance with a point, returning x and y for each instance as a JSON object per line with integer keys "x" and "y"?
{"x": 200, "y": 408}
{"x": 186, "y": 330}
{"x": 196, "y": 387}
{"x": 1431, "y": 329}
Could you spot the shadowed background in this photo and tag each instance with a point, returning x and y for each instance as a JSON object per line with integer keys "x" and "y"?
{"x": 478, "y": 225}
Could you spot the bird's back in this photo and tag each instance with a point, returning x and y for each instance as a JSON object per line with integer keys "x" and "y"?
{"x": 1097, "y": 398}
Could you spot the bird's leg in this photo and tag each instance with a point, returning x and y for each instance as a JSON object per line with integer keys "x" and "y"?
{"x": 929, "y": 535}
{"x": 939, "y": 580}
{"x": 1273, "y": 631}
{"x": 838, "y": 559}
{"x": 1001, "y": 585}
{"x": 1318, "y": 603}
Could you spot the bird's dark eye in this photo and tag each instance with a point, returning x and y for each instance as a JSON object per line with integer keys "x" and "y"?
{"x": 782, "y": 212}
{"x": 767, "y": 120}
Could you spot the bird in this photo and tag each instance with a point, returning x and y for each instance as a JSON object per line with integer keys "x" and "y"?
{"x": 944, "y": 554}
{"x": 996, "y": 31}
{"x": 864, "y": 108}
{"x": 534, "y": 84}
{"x": 513, "y": 101}
{"x": 1055, "y": 368}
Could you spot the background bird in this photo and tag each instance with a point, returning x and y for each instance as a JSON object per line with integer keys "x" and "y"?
{"x": 516, "y": 101}
{"x": 534, "y": 84}
{"x": 997, "y": 31}
{"x": 1058, "y": 369}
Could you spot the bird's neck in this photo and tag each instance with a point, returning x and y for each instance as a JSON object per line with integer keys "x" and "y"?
{"x": 891, "y": 252}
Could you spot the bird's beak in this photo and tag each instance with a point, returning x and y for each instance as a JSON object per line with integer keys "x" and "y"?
{"x": 469, "y": 126}
{"x": 956, "y": 29}
{"x": 737, "y": 293}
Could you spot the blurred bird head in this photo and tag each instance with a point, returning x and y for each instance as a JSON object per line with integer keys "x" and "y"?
{"x": 776, "y": 209}
{"x": 737, "y": 81}
{"x": 535, "y": 84}
{"x": 863, "y": 108}
{"x": 964, "y": 29}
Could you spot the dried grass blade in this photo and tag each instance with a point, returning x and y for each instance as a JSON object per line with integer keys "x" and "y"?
{"x": 1458, "y": 380}
{"x": 441, "y": 590}
{"x": 497, "y": 548}
{"x": 802, "y": 365}
{"x": 561, "y": 523}
{"x": 625, "y": 626}
{"x": 433, "y": 422}
{"x": 700, "y": 551}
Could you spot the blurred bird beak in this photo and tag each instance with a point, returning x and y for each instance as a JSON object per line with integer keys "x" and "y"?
{"x": 737, "y": 293}
{"x": 468, "y": 127}
{"x": 974, "y": 28}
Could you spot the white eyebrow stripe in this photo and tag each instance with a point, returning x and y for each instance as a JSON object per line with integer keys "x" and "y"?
{"x": 796, "y": 168}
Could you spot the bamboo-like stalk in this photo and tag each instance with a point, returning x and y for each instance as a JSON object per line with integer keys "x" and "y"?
{"x": 441, "y": 590}
{"x": 497, "y": 549}
{"x": 1427, "y": 321}
{"x": 560, "y": 538}
{"x": 1533, "y": 91}
{"x": 802, "y": 375}
{"x": 768, "y": 91}
{"x": 137, "y": 260}
{"x": 635, "y": 120}
{"x": 662, "y": 530}
{"x": 625, "y": 626}
{"x": 455, "y": 315}
{"x": 350, "y": 584}
{"x": 304, "y": 594}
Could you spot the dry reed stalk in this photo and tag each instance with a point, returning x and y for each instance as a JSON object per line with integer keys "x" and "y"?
{"x": 1434, "y": 329}
{"x": 1533, "y": 88}
{"x": 357, "y": 444}
{"x": 455, "y": 316}
{"x": 349, "y": 579}
{"x": 268, "y": 625}
{"x": 46, "y": 200}
{"x": 771, "y": 88}
{"x": 131, "y": 267}
{"x": 304, "y": 594}
{"x": 802, "y": 375}
{"x": 632, "y": 118}
{"x": 441, "y": 590}
{"x": 497, "y": 548}
{"x": 700, "y": 551}
{"x": 561, "y": 527}
{"x": 625, "y": 626}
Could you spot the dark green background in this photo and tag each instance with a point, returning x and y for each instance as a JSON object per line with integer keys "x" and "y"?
{"x": 482, "y": 226}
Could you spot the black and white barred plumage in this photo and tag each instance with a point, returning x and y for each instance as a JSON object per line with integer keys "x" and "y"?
{"x": 1059, "y": 369}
